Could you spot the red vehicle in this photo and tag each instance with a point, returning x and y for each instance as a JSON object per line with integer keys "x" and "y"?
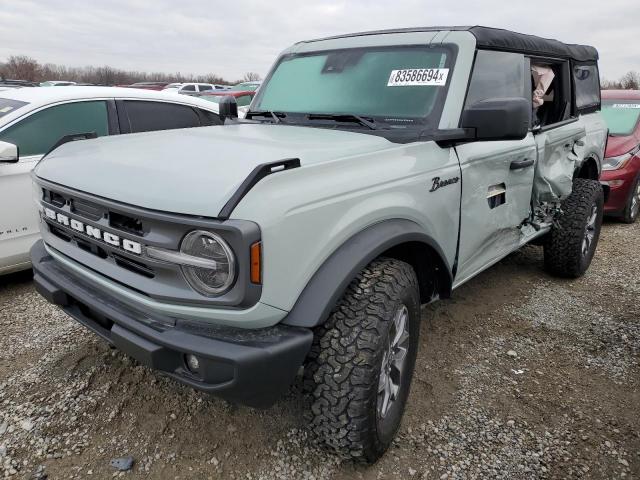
{"x": 621, "y": 166}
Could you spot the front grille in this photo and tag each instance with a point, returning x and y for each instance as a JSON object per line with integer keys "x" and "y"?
{"x": 133, "y": 266}
{"x": 126, "y": 223}
{"x": 86, "y": 209}
{"x": 110, "y": 238}
{"x": 53, "y": 198}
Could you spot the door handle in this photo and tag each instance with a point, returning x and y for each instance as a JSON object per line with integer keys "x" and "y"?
{"x": 518, "y": 164}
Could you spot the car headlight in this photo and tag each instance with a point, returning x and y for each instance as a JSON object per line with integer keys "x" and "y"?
{"x": 613, "y": 163}
{"x": 218, "y": 272}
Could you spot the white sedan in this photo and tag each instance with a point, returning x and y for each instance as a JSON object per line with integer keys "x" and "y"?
{"x": 33, "y": 120}
{"x": 192, "y": 88}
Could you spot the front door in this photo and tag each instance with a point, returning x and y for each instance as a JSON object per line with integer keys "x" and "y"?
{"x": 497, "y": 179}
{"x": 497, "y": 176}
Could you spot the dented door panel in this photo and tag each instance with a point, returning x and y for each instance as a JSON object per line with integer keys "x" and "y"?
{"x": 560, "y": 149}
{"x": 495, "y": 200}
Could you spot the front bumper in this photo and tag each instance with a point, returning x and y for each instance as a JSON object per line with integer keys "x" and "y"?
{"x": 253, "y": 367}
{"x": 621, "y": 183}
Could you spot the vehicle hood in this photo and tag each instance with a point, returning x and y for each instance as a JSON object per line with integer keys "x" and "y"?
{"x": 620, "y": 145}
{"x": 192, "y": 171}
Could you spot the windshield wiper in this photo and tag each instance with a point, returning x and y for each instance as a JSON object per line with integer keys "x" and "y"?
{"x": 343, "y": 117}
{"x": 266, "y": 113}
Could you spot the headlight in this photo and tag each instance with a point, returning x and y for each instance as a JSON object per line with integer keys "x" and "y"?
{"x": 613, "y": 163}
{"x": 219, "y": 274}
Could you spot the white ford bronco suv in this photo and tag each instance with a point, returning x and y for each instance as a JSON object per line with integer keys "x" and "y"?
{"x": 375, "y": 172}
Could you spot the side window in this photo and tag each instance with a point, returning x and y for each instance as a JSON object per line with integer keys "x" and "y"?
{"x": 587, "y": 86}
{"x": 204, "y": 88}
{"x": 551, "y": 100}
{"x": 37, "y": 133}
{"x": 188, "y": 88}
{"x": 210, "y": 118}
{"x": 497, "y": 75}
{"x": 151, "y": 116}
{"x": 243, "y": 100}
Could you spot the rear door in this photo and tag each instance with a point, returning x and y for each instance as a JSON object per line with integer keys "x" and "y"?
{"x": 497, "y": 176}
{"x": 560, "y": 136}
{"x": 34, "y": 135}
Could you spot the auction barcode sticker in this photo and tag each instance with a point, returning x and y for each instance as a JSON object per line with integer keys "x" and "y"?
{"x": 626, "y": 105}
{"x": 418, "y": 76}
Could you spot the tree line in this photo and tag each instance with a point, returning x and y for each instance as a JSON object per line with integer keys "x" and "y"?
{"x": 22, "y": 67}
{"x": 629, "y": 81}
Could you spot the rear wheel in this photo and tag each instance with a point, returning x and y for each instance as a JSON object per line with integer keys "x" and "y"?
{"x": 572, "y": 241}
{"x": 361, "y": 364}
{"x": 631, "y": 211}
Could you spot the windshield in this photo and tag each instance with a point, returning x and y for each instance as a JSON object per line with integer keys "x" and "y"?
{"x": 399, "y": 84}
{"x": 621, "y": 116}
{"x": 8, "y": 106}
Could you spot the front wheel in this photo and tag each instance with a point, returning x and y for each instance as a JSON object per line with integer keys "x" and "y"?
{"x": 361, "y": 364}
{"x": 572, "y": 241}
{"x": 631, "y": 211}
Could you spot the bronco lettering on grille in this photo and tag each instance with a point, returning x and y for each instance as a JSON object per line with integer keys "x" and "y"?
{"x": 93, "y": 232}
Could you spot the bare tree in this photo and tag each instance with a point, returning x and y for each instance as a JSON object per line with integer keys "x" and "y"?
{"x": 22, "y": 67}
{"x": 251, "y": 77}
{"x": 630, "y": 81}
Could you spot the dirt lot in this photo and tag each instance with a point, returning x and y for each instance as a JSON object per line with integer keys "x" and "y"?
{"x": 519, "y": 376}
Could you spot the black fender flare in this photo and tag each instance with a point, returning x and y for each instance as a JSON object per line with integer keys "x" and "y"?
{"x": 329, "y": 282}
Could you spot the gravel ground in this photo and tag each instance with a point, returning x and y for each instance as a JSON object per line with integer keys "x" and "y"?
{"x": 520, "y": 376}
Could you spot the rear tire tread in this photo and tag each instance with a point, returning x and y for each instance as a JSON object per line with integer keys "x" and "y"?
{"x": 563, "y": 249}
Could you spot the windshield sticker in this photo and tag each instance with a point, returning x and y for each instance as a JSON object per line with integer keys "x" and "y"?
{"x": 6, "y": 109}
{"x": 626, "y": 105}
{"x": 418, "y": 77}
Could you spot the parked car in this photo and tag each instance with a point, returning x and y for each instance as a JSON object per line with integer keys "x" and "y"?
{"x": 376, "y": 172}
{"x": 247, "y": 86}
{"x": 621, "y": 168}
{"x": 4, "y": 82}
{"x": 242, "y": 97}
{"x": 33, "y": 120}
{"x": 147, "y": 85}
{"x": 190, "y": 88}
{"x": 57, "y": 83}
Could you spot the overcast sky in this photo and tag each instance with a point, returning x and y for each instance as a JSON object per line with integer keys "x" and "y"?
{"x": 232, "y": 37}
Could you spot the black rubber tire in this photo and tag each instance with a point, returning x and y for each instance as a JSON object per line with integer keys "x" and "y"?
{"x": 343, "y": 368}
{"x": 627, "y": 215}
{"x": 563, "y": 254}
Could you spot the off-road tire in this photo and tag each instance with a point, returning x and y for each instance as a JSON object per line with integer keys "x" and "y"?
{"x": 630, "y": 214}
{"x": 344, "y": 366}
{"x": 563, "y": 250}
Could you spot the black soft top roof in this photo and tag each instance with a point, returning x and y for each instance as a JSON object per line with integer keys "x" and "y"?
{"x": 500, "y": 39}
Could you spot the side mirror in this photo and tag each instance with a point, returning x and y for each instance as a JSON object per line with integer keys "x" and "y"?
{"x": 498, "y": 118}
{"x": 228, "y": 108}
{"x": 8, "y": 152}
